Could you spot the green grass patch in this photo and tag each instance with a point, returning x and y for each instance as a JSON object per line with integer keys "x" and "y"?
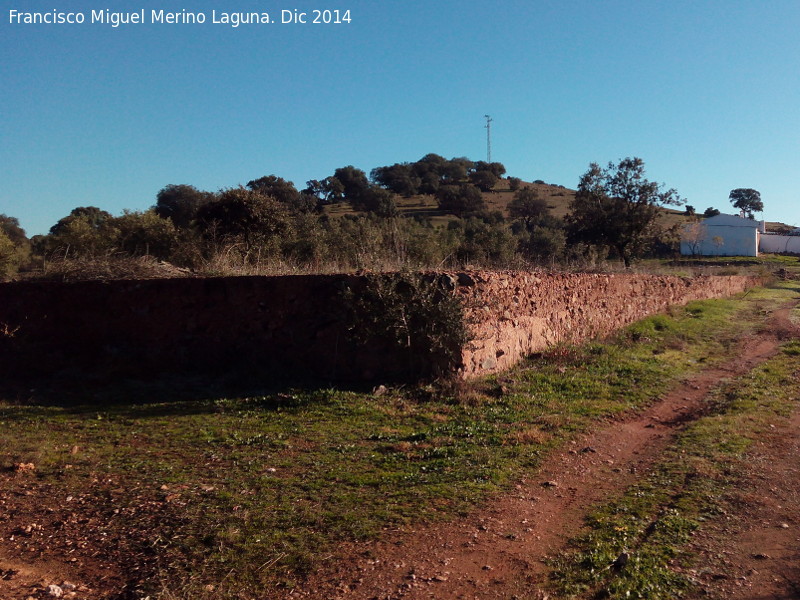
{"x": 252, "y": 493}
{"x": 765, "y": 265}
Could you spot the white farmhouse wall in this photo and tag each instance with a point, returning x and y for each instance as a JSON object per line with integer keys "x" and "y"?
{"x": 736, "y": 241}
{"x": 738, "y": 236}
{"x": 780, "y": 244}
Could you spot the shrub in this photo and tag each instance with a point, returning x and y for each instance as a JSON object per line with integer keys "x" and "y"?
{"x": 8, "y": 263}
{"x": 417, "y": 315}
{"x": 460, "y": 200}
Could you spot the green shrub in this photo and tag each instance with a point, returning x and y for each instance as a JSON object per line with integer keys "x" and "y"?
{"x": 418, "y": 315}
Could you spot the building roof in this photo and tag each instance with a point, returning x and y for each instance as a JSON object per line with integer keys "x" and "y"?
{"x": 731, "y": 221}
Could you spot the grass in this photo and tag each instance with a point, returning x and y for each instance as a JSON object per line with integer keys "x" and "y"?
{"x": 249, "y": 494}
{"x": 653, "y": 521}
{"x": 764, "y": 265}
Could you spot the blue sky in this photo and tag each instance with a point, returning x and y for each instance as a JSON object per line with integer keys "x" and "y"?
{"x": 706, "y": 92}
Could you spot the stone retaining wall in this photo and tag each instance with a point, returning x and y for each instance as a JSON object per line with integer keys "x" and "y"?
{"x": 516, "y": 314}
{"x": 295, "y": 325}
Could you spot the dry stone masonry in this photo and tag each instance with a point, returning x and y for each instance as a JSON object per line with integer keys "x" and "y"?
{"x": 293, "y": 325}
{"x": 514, "y": 314}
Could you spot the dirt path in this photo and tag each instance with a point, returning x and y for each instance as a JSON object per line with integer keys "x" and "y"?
{"x": 22, "y": 579}
{"x": 29, "y": 569}
{"x": 763, "y": 517}
{"x": 497, "y": 552}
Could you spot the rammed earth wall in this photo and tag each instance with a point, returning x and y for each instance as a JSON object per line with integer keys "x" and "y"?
{"x": 296, "y": 325}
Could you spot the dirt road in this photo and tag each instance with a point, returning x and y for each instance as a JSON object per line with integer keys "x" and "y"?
{"x": 498, "y": 551}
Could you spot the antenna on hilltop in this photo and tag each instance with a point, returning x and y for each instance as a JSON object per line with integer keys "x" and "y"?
{"x": 488, "y": 138}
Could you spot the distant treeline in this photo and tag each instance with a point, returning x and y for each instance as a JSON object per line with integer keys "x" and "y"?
{"x": 269, "y": 225}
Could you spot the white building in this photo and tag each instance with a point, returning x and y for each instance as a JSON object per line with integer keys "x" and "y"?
{"x": 722, "y": 235}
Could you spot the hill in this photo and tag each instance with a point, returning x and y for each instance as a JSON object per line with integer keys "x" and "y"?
{"x": 558, "y": 199}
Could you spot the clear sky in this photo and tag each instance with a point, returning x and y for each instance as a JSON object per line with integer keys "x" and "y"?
{"x": 706, "y": 92}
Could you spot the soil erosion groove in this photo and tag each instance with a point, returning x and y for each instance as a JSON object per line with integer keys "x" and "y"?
{"x": 497, "y": 552}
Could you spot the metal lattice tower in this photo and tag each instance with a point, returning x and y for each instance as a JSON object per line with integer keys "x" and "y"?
{"x": 488, "y": 138}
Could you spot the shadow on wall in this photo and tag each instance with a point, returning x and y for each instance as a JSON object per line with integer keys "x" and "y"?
{"x": 309, "y": 328}
{"x": 326, "y": 328}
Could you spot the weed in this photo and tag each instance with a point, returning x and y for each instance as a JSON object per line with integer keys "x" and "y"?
{"x": 792, "y": 348}
{"x": 414, "y": 314}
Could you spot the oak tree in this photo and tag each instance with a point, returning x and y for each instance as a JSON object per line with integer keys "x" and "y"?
{"x": 618, "y": 207}
{"x": 528, "y": 206}
{"x": 747, "y": 200}
{"x": 180, "y": 203}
